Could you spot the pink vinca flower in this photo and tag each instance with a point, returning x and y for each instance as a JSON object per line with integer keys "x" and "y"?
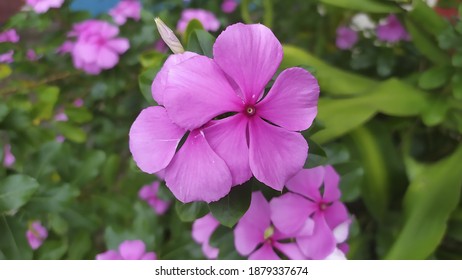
{"x": 216, "y": 155}
{"x": 202, "y": 230}
{"x": 392, "y": 31}
{"x": 66, "y": 47}
{"x": 7, "y": 57}
{"x": 31, "y": 55}
{"x": 346, "y": 38}
{"x": 255, "y": 235}
{"x": 8, "y": 157}
{"x": 124, "y": 10}
{"x": 148, "y": 193}
{"x": 78, "y": 102}
{"x": 207, "y": 19}
{"x": 228, "y": 6}
{"x": 305, "y": 207}
{"x": 36, "y": 234}
{"x": 42, "y": 6}
{"x": 128, "y": 250}
{"x": 9, "y": 35}
{"x": 97, "y": 47}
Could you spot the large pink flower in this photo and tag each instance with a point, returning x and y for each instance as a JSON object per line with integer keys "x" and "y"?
{"x": 97, "y": 47}
{"x": 42, "y": 6}
{"x": 206, "y": 18}
{"x": 36, "y": 234}
{"x": 126, "y": 9}
{"x": 305, "y": 204}
{"x": 128, "y": 250}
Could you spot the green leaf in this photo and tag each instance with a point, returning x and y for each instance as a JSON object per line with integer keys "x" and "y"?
{"x": 46, "y": 100}
{"x": 316, "y": 155}
{"x": 188, "y": 212}
{"x": 145, "y": 80}
{"x": 3, "y": 111}
{"x": 15, "y": 191}
{"x": 426, "y": 18}
{"x": 78, "y": 115}
{"x": 80, "y": 244}
{"x": 331, "y": 80}
{"x": 368, "y": 6}
{"x": 434, "y": 77}
{"x": 110, "y": 171}
{"x": 152, "y": 59}
{"x": 230, "y": 208}
{"x": 72, "y": 132}
{"x": 192, "y": 26}
{"x": 201, "y": 42}
{"x": 351, "y": 175}
{"x": 90, "y": 167}
{"x": 13, "y": 243}
{"x": 431, "y": 197}
{"x": 457, "y": 59}
{"x": 5, "y": 71}
{"x": 436, "y": 112}
{"x": 52, "y": 250}
{"x": 457, "y": 86}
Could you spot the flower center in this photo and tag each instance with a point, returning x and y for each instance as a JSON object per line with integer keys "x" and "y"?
{"x": 323, "y": 206}
{"x": 268, "y": 232}
{"x": 250, "y": 110}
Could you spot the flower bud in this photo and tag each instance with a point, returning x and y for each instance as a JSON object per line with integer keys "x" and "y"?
{"x": 169, "y": 37}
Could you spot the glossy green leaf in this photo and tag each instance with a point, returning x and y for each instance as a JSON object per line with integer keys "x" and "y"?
{"x": 232, "y": 207}
{"x": 434, "y": 77}
{"x": 201, "y": 42}
{"x": 15, "y": 191}
{"x": 192, "y": 25}
{"x": 13, "y": 243}
{"x": 188, "y": 212}
{"x": 431, "y": 197}
{"x": 436, "y": 112}
{"x": 368, "y": 6}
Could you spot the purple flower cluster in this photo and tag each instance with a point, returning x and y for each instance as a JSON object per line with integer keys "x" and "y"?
{"x": 36, "y": 234}
{"x": 258, "y": 135}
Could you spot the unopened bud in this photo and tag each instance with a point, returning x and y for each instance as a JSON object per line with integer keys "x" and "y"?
{"x": 169, "y": 37}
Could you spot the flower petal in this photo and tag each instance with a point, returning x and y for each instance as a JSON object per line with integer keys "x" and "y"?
{"x": 160, "y": 81}
{"x": 275, "y": 154}
{"x": 289, "y": 212}
{"x": 266, "y": 252}
{"x": 341, "y": 231}
{"x": 250, "y": 54}
{"x": 336, "y": 214}
{"x": 228, "y": 138}
{"x": 132, "y": 249}
{"x": 250, "y": 230}
{"x": 307, "y": 183}
{"x": 149, "y": 256}
{"x": 292, "y": 102}
{"x": 108, "y": 255}
{"x": 107, "y": 58}
{"x": 119, "y": 45}
{"x": 203, "y": 228}
{"x": 319, "y": 245}
{"x": 197, "y": 92}
{"x": 331, "y": 184}
{"x": 197, "y": 173}
{"x": 210, "y": 252}
{"x": 153, "y": 139}
{"x": 336, "y": 255}
{"x": 291, "y": 250}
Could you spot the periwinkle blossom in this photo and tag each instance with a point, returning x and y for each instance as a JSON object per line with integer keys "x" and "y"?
{"x": 78, "y": 102}
{"x": 149, "y": 193}
{"x": 8, "y": 158}
{"x": 42, "y": 6}
{"x": 128, "y": 250}
{"x": 124, "y": 10}
{"x": 31, "y": 55}
{"x": 346, "y": 38}
{"x": 9, "y": 36}
{"x": 256, "y": 237}
{"x": 7, "y": 57}
{"x": 97, "y": 46}
{"x": 316, "y": 216}
{"x": 260, "y": 139}
{"x": 206, "y": 18}
{"x": 391, "y": 30}
{"x": 36, "y": 234}
{"x": 228, "y": 6}
{"x": 202, "y": 230}
{"x": 65, "y": 47}
{"x": 61, "y": 116}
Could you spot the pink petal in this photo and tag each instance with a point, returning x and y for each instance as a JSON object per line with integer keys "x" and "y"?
{"x": 336, "y": 214}
{"x": 119, "y": 45}
{"x": 197, "y": 173}
{"x": 87, "y": 52}
{"x": 203, "y": 228}
{"x": 292, "y": 101}
{"x": 146, "y": 192}
{"x": 331, "y": 182}
{"x": 149, "y": 256}
{"x": 153, "y": 139}
{"x": 197, "y": 92}
{"x": 321, "y": 243}
{"x": 108, "y": 255}
{"x": 160, "y": 81}
{"x": 336, "y": 255}
{"x": 132, "y": 249}
{"x": 160, "y": 206}
{"x": 250, "y": 54}
{"x": 276, "y": 154}
{"x": 307, "y": 183}
{"x": 290, "y": 250}
{"x": 210, "y": 252}
{"x": 341, "y": 232}
{"x": 228, "y": 138}
{"x": 250, "y": 229}
{"x": 107, "y": 58}
{"x": 266, "y": 252}
{"x": 289, "y": 212}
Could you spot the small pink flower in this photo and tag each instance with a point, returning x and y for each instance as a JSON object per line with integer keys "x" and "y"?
{"x": 66, "y": 47}
{"x": 36, "y": 234}
{"x": 97, "y": 48}
{"x": 8, "y": 157}
{"x": 9, "y": 35}
{"x": 61, "y": 116}
{"x": 126, "y": 9}
{"x": 346, "y": 38}
{"x": 202, "y": 230}
{"x": 31, "y": 55}
{"x": 7, "y": 57}
{"x": 228, "y": 6}
{"x": 128, "y": 250}
{"x": 207, "y": 18}
{"x": 42, "y": 6}
{"x": 78, "y": 102}
{"x": 60, "y": 138}
{"x": 148, "y": 193}
{"x": 392, "y": 31}
{"x": 160, "y": 46}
